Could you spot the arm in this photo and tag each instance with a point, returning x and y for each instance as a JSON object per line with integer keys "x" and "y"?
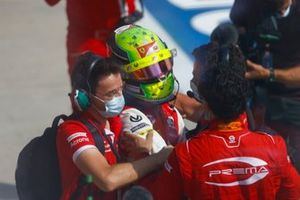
{"x": 74, "y": 142}
{"x": 110, "y": 177}
{"x": 52, "y": 2}
{"x": 188, "y": 107}
{"x": 289, "y": 76}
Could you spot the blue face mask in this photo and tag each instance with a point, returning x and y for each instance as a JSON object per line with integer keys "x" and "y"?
{"x": 112, "y": 107}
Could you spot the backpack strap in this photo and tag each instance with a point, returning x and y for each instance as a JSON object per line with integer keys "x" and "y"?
{"x": 97, "y": 137}
{"x": 118, "y": 157}
{"x": 57, "y": 119}
{"x": 100, "y": 146}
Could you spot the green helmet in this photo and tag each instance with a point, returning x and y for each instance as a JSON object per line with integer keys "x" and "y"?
{"x": 148, "y": 63}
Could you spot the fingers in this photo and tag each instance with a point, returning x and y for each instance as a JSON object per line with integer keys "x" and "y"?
{"x": 248, "y": 75}
{"x": 251, "y": 65}
{"x": 128, "y": 135}
{"x": 127, "y": 141}
{"x": 149, "y": 135}
{"x": 135, "y": 143}
{"x": 256, "y": 71}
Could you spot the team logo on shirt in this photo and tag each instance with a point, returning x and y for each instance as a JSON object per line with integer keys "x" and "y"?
{"x": 236, "y": 171}
{"x": 77, "y": 138}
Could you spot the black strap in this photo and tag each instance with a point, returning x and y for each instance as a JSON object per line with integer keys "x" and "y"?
{"x": 97, "y": 137}
{"x": 80, "y": 185}
{"x": 112, "y": 148}
{"x": 57, "y": 119}
{"x": 100, "y": 146}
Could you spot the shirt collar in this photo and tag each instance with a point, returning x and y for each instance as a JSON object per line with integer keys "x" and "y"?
{"x": 238, "y": 124}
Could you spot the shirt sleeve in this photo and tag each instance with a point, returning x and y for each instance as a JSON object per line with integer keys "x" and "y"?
{"x": 168, "y": 184}
{"x": 74, "y": 139}
{"x": 290, "y": 179}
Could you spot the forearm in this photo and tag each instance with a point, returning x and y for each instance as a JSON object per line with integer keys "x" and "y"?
{"x": 290, "y": 76}
{"x": 110, "y": 177}
{"x": 125, "y": 173}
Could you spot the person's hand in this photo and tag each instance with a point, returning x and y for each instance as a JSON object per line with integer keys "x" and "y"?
{"x": 134, "y": 145}
{"x": 256, "y": 71}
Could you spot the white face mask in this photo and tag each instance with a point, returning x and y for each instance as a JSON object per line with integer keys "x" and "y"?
{"x": 113, "y": 107}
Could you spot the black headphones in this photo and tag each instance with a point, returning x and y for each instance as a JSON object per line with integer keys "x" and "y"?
{"x": 81, "y": 97}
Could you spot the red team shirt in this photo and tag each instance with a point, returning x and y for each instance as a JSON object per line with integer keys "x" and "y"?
{"x": 72, "y": 139}
{"x": 168, "y": 122}
{"x": 229, "y": 162}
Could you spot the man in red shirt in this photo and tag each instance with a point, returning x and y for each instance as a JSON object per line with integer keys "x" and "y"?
{"x": 227, "y": 160}
{"x": 91, "y": 22}
{"x": 98, "y": 95}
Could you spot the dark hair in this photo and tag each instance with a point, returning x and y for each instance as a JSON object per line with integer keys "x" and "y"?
{"x": 90, "y": 68}
{"x": 222, "y": 81}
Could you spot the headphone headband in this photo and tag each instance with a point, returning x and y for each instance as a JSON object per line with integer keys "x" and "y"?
{"x": 91, "y": 68}
{"x": 81, "y": 96}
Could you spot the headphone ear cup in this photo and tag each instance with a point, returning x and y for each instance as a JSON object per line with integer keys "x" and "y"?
{"x": 82, "y": 99}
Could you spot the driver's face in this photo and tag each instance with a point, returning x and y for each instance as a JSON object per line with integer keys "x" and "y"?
{"x": 285, "y": 6}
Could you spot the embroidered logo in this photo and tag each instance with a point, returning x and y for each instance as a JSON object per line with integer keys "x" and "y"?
{"x": 136, "y": 118}
{"x": 236, "y": 171}
{"x": 231, "y": 139}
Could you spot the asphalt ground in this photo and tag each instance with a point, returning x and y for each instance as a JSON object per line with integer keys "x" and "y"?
{"x": 33, "y": 78}
{"x": 33, "y": 81}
